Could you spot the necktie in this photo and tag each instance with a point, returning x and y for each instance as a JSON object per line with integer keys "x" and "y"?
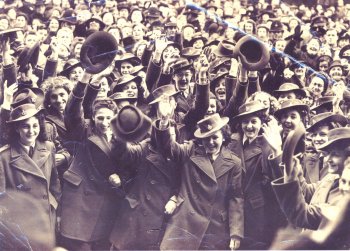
{"x": 245, "y": 144}
{"x": 31, "y": 152}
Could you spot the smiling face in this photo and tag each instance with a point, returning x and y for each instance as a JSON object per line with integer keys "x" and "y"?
{"x": 220, "y": 90}
{"x": 336, "y": 73}
{"x": 344, "y": 182}
{"x": 183, "y": 79}
{"x": 76, "y": 74}
{"x": 317, "y": 86}
{"x": 212, "y": 106}
{"x": 251, "y": 126}
{"x": 286, "y": 95}
{"x": 320, "y": 136}
{"x": 102, "y": 119}
{"x": 58, "y": 99}
{"x": 290, "y": 119}
{"x": 313, "y": 47}
{"x": 126, "y": 68}
{"x": 335, "y": 160}
{"x": 104, "y": 89}
{"x": 213, "y": 143}
{"x": 131, "y": 89}
{"x": 28, "y": 130}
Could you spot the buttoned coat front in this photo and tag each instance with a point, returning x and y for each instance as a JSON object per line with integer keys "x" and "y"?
{"x": 36, "y": 176}
{"x": 210, "y": 201}
{"x": 140, "y": 222}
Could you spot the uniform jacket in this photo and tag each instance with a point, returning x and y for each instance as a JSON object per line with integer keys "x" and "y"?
{"x": 36, "y": 176}
{"x": 312, "y": 170}
{"x": 210, "y": 201}
{"x": 259, "y": 200}
{"x": 142, "y": 211}
{"x": 89, "y": 202}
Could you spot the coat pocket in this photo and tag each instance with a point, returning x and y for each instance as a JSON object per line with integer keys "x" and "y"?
{"x": 257, "y": 202}
{"x": 72, "y": 178}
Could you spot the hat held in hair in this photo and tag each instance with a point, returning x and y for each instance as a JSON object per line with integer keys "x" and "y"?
{"x": 130, "y": 124}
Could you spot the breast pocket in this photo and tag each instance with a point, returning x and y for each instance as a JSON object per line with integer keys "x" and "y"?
{"x": 257, "y": 202}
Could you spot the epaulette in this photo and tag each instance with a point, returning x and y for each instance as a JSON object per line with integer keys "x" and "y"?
{"x": 4, "y": 148}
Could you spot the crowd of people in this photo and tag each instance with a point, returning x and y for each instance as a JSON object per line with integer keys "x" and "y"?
{"x": 133, "y": 125}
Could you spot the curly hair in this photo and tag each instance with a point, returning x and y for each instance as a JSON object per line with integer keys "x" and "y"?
{"x": 54, "y": 83}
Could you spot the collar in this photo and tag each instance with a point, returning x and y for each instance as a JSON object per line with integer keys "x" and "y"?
{"x": 27, "y": 148}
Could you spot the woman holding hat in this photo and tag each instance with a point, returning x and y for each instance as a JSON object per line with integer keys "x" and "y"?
{"x": 209, "y": 212}
{"x": 259, "y": 202}
{"x": 28, "y": 161}
{"x": 91, "y": 185}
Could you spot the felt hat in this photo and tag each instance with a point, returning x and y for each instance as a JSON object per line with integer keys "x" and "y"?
{"x": 290, "y": 87}
{"x": 169, "y": 90}
{"x": 23, "y": 112}
{"x": 127, "y": 57}
{"x": 323, "y": 103}
{"x": 28, "y": 55}
{"x": 69, "y": 66}
{"x": 291, "y": 104}
{"x": 249, "y": 108}
{"x": 28, "y": 96}
{"x": 209, "y": 125}
{"x": 119, "y": 96}
{"x": 181, "y": 64}
{"x": 130, "y": 124}
{"x": 326, "y": 117}
{"x": 98, "y": 51}
{"x": 337, "y": 136}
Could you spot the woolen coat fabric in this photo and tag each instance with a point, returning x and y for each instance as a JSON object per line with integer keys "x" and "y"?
{"x": 260, "y": 203}
{"x": 140, "y": 222}
{"x": 210, "y": 201}
{"x": 36, "y": 176}
{"x": 89, "y": 202}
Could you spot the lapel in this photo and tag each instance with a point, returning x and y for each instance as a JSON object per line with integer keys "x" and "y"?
{"x": 252, "y": 150}
{"x": 101, "y": 142}
{"x": 182, "y": 104}
{"x": 21, "y": 161}
{"x": 236, "y": 146}
{"x": 57, "y": 121}
{"x": 323, "y": 189}
{"x": 223, "y": 163}
{"x": 203, "y": 163}
{"x": 158, "y": 161}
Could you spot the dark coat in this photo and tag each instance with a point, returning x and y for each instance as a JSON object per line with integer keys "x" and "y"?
{"x": 259, "y": 201}
{"x": 89, "y": 202}
{"x": 36, "y": 176}
{"x": 140, "y": 222}
{"x": 210, "y": 201}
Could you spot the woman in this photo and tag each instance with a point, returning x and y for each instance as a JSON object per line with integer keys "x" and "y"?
{"x": 28, "y": 163}
{"x": 89, "y": 201}
{"x": 259, "y": 202}
{"x": 210, "y": 203}
{"x": 154, "y": 180}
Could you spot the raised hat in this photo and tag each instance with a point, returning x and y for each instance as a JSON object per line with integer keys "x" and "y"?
{"x": 130, "y": 124}
{"x": 169, "y": 90}
{"x": 28, "y": 55}
{"x": 209, "y": 125}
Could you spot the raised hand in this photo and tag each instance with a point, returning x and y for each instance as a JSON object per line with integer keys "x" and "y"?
{"x": 271, "y": 133}
{"x": 114, "y": 180}
{"x": 235, "y": 243}
{"x": 165, "y": 108}
{"x": 9, "y": 91}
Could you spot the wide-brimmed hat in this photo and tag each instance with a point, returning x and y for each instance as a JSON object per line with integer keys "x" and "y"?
{"x": 290, "y": 87}
{"x": 289, "y": 104}
{"x": 216, "y": 79}
{"x": 249, "y": 108}
{"x": 23, "y": 112}
{"x": 343, "y": 50}
{"x": 119, "y": 96}
{"x": 28, "y": 55}
{"x": 190, "y": 52}
{"x": 69, "y": 66}
{"x": 137, "y": 69}
{"x": 340, "y": 136}
{"x": 335, "y": 63}
{"x": 98, "y": 51}
{"x": 217, "y": 63}
{"x": 124, "y": 80}
{"x": 97, "y": 19}
{"x": 325, "y": 102}
{"x": 130, "y": 124}
{"x": 209, "y": 125}
{"x": 28, "y": 96}
{"x": 168, "y": 90}
{"x": 9, "y": 34}
{"x": 127, "y": 57}
{"x": 198, "y": 36}
{"x": 225, "y": 48}
{"x": 326, "y": 117}
{"x": 181, "y": 65}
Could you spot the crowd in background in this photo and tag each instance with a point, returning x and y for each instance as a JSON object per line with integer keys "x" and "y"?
{"x": 132, "y": 125}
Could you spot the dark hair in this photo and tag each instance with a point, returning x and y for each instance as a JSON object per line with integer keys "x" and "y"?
{"x": 13, "y": 135}
{"x": 54, "y": 83}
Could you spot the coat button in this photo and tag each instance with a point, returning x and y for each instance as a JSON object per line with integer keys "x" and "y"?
{"x": 153, "y": 182}
{"x": 45, "y": 197}
{"x": 91, "y": 178}
{"x": 192, "y": 212}
{"x": 148, "y": 197}
{"x": 198, "y": 181}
